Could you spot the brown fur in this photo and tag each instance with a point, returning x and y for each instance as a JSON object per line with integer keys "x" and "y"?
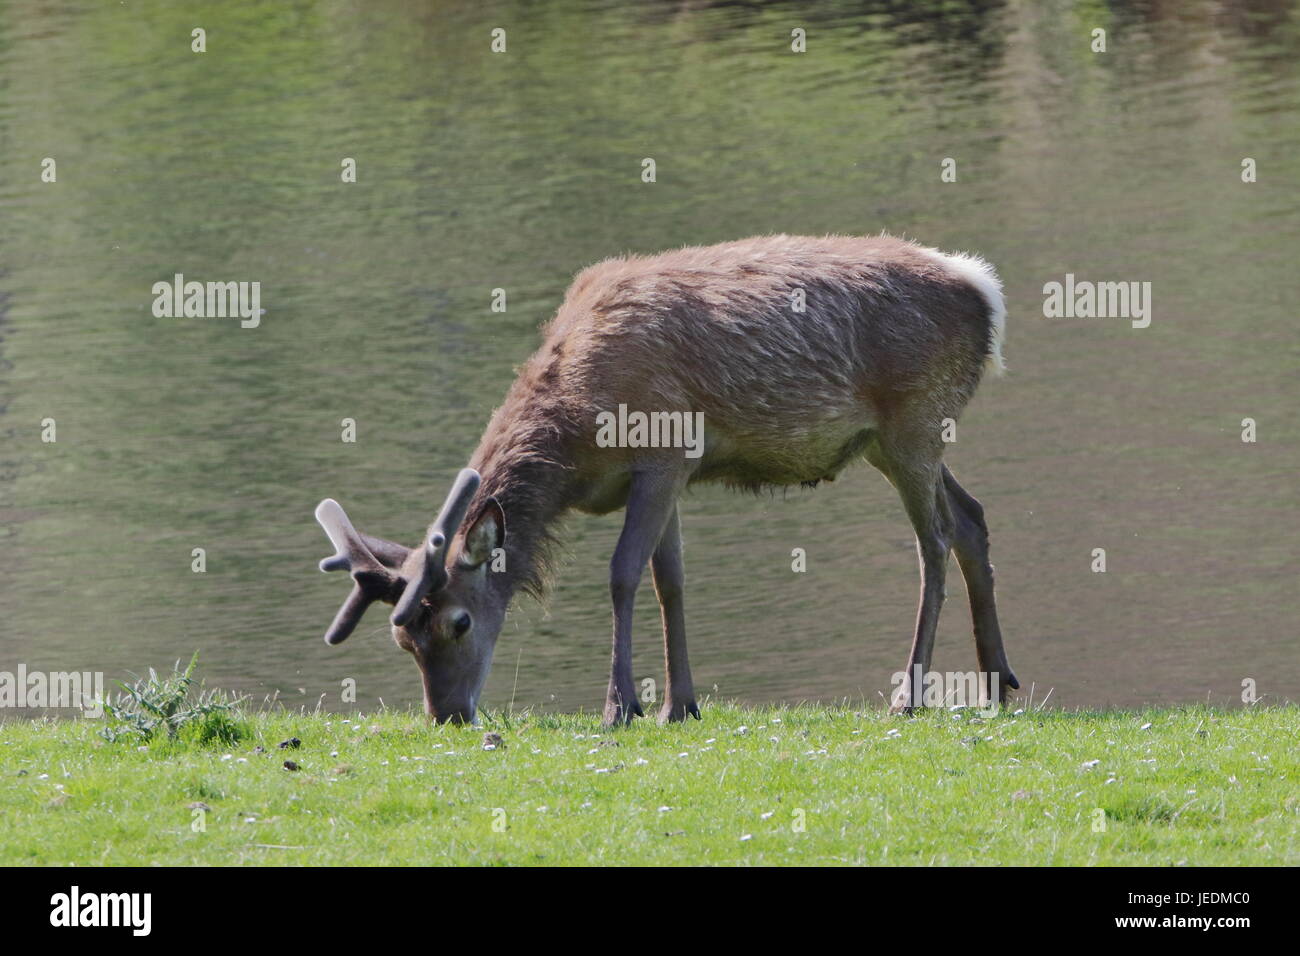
{"x": 788, "y": 398}
{"x": 893, "y": 339}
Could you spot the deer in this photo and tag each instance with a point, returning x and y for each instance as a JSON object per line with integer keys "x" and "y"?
{"x": 803, "y": 355}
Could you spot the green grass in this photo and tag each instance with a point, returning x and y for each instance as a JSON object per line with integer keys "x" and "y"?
{"x": 1198, "y": 786}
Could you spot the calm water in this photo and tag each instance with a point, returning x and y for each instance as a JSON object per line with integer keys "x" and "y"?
{"x": 478, "y": 171}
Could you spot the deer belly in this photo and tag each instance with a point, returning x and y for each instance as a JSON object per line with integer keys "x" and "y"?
{"x": 817, "y": 458}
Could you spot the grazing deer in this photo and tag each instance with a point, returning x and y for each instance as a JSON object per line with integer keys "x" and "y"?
{"x": 803, "y": 354}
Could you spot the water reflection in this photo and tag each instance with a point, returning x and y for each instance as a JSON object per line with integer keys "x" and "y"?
{"x": 479, "y": 171}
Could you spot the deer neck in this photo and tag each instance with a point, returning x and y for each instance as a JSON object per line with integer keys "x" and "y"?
{"x": 535, "y": 488}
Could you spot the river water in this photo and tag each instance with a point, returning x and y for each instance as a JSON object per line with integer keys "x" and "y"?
{"x": 479, "y": 170}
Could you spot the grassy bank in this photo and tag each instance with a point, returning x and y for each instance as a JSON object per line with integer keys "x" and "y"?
{"x": 769, "y": 786}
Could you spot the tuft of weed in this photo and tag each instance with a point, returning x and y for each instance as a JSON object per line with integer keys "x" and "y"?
{"x": 174, "y": 708}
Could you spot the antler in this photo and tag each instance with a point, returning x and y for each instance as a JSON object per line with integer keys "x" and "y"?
{"x": 351, "y": 553}
{"x": 432, "y": 571}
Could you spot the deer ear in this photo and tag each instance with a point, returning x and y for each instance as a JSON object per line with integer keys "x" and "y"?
{"x": 486, "y": 533}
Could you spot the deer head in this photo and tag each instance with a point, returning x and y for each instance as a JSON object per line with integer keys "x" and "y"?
{"x": 447, "y": 609}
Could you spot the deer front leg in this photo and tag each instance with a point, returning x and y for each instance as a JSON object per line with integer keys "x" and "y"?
{"x": 670, "y": 582}
{"x": 651, "y": 499}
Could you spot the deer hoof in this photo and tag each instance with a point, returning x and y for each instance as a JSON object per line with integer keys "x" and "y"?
{"x": 620, "y": 715}
{"x": 673, "y": 712}
{"x": 1006, "y": 684}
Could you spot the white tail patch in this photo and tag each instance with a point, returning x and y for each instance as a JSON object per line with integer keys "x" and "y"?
{"x": 984, "y": 278}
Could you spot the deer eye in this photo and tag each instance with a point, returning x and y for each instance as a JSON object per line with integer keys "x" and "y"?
{"x": 460, "y": 624}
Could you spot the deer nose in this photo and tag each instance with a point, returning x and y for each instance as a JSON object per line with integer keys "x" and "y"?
{"x": 452, "y": 711}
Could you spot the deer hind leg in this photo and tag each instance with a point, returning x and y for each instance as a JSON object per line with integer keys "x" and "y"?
{"x": 911, "y": 462}
{"x": 652, "y": 498}
{"x": 670, "y": 580}
{"x": 971, "y": 544}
